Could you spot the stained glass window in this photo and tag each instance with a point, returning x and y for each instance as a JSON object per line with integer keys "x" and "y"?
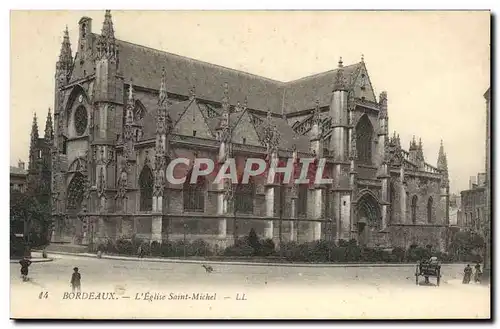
{"x": 430, "y": 209}
{"x": 81, "y": 120}
{"x": 392, "y": 201}
{"x": 364, "y": 135}
{"x": 194, "y": 195}
{"x": 244, "y": 196}
{"x": 75, "y": 192}
{"x": 414, "y": 201}
{"x": 302, "y": 200}
{"x": 146, "y": 182}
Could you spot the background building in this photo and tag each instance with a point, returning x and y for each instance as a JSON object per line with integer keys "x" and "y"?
{"x": 122, "y": 111}
{"x": 18, "y": 178}
{"x": 473, "y": 204}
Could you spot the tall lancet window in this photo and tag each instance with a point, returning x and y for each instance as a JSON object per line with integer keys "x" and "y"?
{"x": 75, "y": 192}
{"x": 146, "y": 182}
{"x": 194, "y": 194}
{"x": 364, "y": 137}
{"x": 392, "y": 201}
{"x": 302, "y": 200}
{"x": 414, "y": 201}
{"x": 244, "y": 194}
{"x": 430, "y": 209}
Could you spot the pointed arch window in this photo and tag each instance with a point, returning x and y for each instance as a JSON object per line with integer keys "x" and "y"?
{"x": 140, "y": 110}
{"x": 244, "y": 194}
{"x": 364, "y": 135}
{"x": 392, "y": 201}
{"x": 430, "y": 209}
{"x": 414, "y": 201}
{"x": 302, "y": 200}
{"x": 75, "y": 193}
{"x": 194, "y": 194}
{"x": 146, "y": 182}
{"x": 81, "y": 120}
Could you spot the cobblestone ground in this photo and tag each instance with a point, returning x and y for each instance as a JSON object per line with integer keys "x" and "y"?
{"x": 270, "y": 291}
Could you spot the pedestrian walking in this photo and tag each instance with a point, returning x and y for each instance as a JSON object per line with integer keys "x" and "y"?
{"x": 140, "y": 252}
{"x": 467, "y": 274}
{"x": 477, "y": 273}
{"x": 25, "y": 263}
{"x": 76, "y": 280}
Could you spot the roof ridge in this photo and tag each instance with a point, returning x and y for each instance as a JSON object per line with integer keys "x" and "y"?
{"x": 203, "y": 62}
{"x": 320, "y": 73}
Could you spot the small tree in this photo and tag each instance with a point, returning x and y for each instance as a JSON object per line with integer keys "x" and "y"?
{"x": 253, "y": 241}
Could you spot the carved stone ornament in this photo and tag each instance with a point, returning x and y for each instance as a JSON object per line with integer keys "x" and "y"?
{"x": 354, "y": 151}
{"x": 147, "y": 161}
{"x": 159, "y": 183}
{"x": 102, "y": 184}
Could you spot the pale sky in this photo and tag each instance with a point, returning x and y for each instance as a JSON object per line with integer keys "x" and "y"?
{"x": 435, "y": 66}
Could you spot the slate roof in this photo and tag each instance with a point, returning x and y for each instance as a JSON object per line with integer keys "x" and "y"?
{"x": 144, "y": 65}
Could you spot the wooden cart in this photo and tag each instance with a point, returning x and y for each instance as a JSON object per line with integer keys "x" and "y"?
{"x": 427, "y": 269}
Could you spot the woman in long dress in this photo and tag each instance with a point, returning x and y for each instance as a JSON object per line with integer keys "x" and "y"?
{"x": 467, "y": 274}
{"x": 477, "y": 274}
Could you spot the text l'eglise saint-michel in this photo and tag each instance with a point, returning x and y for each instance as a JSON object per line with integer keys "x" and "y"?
{"x": 148, "y": 296}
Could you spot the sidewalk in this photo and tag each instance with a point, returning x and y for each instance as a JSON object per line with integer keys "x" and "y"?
{"x": 34, "y": 259}
{"x": 218, "y": 262}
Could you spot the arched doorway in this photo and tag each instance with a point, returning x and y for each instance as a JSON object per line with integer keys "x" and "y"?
{"x": 369, "y": 218}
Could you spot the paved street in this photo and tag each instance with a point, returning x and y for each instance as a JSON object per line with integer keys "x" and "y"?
{"x": 272, "y": 290}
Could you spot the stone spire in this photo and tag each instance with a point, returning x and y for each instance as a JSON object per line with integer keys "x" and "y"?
{"x": 129, "y": 119}
{"x": 442, "y": 165}
{"x": 413, "y": 144}
{"x": 65, "y": 61}
{"x": 383, "y": 105}
{"x": 162, "y": 99}
{"x": 107, "y": 31}
{"x": 33, "y": 143}
{"x": 34, "y": 128}
{"x": 163, "y": 123}
{"x": 340, "y": 82}
{"x": 420, "y": 151}
{"x": 49, "y": 129}
{"x": 106, "y": 46}
{"x": 442, "y": 162}
{"x": 224, "y": 122}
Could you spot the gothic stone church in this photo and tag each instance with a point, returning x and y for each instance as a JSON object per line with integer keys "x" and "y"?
{"x": 123, "y": 111}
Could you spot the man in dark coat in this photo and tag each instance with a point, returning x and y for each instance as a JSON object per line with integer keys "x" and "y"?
{"x": 75, "y": 280}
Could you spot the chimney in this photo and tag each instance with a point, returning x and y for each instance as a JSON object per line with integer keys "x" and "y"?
{"x": 20, "y": 165}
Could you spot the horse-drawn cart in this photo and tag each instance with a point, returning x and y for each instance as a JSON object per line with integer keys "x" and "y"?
{"x": 428, "y": 269}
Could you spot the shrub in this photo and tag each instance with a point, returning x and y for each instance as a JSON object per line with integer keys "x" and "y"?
{"x": 125, "y": 247}
{"x": 399, "y": 254}
{"x": 353, "y": 252}
{"x": 156, "y": 249}
{"x": 267, "y": 247}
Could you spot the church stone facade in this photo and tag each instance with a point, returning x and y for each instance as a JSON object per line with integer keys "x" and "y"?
{"x": 123, "y": 111}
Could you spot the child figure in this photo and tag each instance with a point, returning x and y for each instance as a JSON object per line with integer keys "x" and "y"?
{"x": 25, "y": 263}
{"x": 75, "y": 280}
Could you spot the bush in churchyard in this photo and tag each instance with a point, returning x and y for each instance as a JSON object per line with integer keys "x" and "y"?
{"x": 399, "y": 254}
{"x": 267, "y": 247}
{"x": 125, "y": 247}
{"x": 155, "y": 248}
{"x": 254, "y": 242}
